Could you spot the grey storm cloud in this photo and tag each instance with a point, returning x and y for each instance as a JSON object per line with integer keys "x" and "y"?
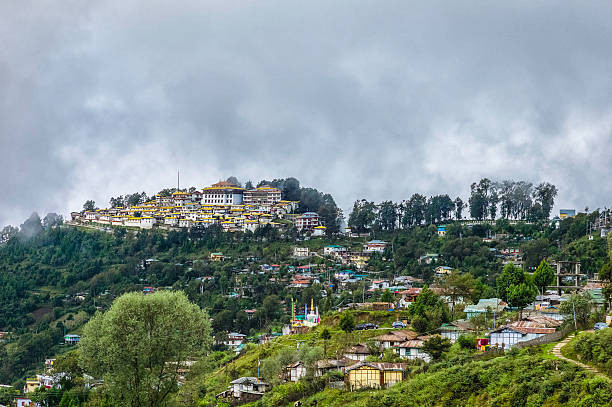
{"x": 362, "y": 99}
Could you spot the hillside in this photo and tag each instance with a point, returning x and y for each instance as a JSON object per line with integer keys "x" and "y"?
{"x": 53, "y": 282}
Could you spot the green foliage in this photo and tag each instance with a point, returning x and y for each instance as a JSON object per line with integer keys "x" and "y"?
{"x": 596, "y": 348}
{"x": 519, "y": 380}
{"x": 467, "y": 342}
{"x": 605, "y": 273}
{"x": 347, "y": 322}
{"x": 519, "y": 296}
{"x": 387, "y": 296}
{"x": 511, "y": 275}
{"x": 578, "y": 305}
{"x": 363, "y": 216}
{"x": 458, "y": 285}
{"x": 7, "y": 394}
{"x": 428, "y": 311}
{"x": 89, "y": 205}
{"x": 325, "y": 334}
{"x": 436, "y": 346}
{"x": 139, "y": 345}
{"x": 543, "y": 276}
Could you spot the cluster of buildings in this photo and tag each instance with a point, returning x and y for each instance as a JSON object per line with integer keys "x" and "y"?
{"x": 46, "y": 380}
{"x": 357, "y": 259}
{"x": 223, "y": 203}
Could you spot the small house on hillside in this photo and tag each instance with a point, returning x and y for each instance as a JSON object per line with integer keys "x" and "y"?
{"x": 507, "y": 336}
{"x": 295, "y": 371}
{"x": 413, "y": 349}
{"x": 492, "y": 304}
{"x": 374, "y": 246}
{"x": 379, "y": 285}
{"x": 329, "y": 365}
{"x": 217, "y": 256}
{"x": 455, "y": 329}
{"x": 374, "y": 375}
{"x": 408, "y": 296}
{"x": 234, "y": 340}
{"x": 301, "y": 252}
{"x": 442, "y": 270}
{"x": 71, "y": 339}
{"x": 394, "y": 338}
{"x": 428, "y": 258}
{"x": 357, "y": 352}
{"x": 245, "y": 389}
{"x": 23, "y": 402}
{"x": 334, "y": 249}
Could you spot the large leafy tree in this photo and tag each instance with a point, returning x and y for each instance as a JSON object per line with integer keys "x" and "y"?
{"x": 543, "y": 276}
{"x": 545, "y": 194}
{"x": 511, "y": 275}
{"x": 479, "y": 199}
{"x": 89, "y": 205}
{"x": 347, "y": 322}
{"x": 458, "y": 285}
{"x": 429, "y": 310}
{"x": 519, "y": 296}
{"x": 363, "y": 216}
{"x": 141, "y": 343}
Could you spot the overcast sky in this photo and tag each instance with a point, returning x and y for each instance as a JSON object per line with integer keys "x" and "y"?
{"x": 363, "y": 99}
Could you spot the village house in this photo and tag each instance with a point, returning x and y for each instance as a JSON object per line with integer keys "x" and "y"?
{"x": 407, "y": 280}
{"x": 245, "y": 389}
{"x": 443, "y": 270}
{"x": 413, "y": 349}
{"x": 234, "y": 340}
{"x": 374, "y": 246}
{"x": 491, "y": 304}
{"x": 428, "y": 258}
{"x": 307, "y": 222}
{"x": 334, "y": 250}
{"x": 442, "y": 230}
{"x": 394, "y": 338}
{"x": 319, "y": 230}
{"x": 295, "y": 371}
{"x": 455, "y": 329}
{"x": 357, "y": 259}
{"x": 374, "y": 375}
{"x": 71, "y": 339}
{"x": 31, "y": 384}
{"x": 23, "y": 402}
{"x": 217, "y": 256}
{"x": 329, "y": 365}
{"x": 299, "y": 283}
{"x": 301, "y": 252}
{"x": 408, "y": 296}
{"x": 357, "y": 352}
{"x": 507, "y": 336}
{"x": 379, "y": 285}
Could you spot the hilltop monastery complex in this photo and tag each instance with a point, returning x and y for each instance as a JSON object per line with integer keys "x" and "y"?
{"x": 223, "y": 203}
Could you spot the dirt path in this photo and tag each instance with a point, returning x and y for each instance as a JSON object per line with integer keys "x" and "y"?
{"x": 557, "y": 352}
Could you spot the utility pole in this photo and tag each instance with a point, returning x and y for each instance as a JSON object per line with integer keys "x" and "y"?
{"x": 574, "y": 312}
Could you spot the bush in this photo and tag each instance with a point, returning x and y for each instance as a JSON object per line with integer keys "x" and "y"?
{"x": 467, "y": 342}
{"x": 595, "y": 348}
